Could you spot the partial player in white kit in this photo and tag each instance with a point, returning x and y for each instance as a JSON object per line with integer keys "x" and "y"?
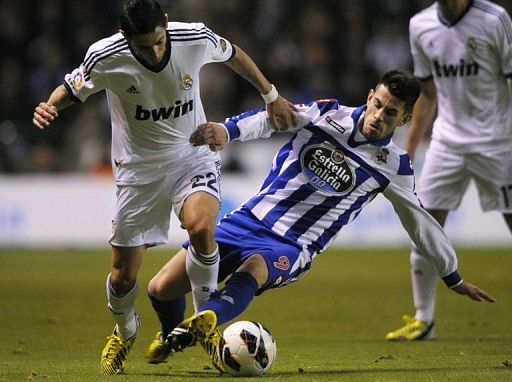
{"x": 462, "y": 51}
{"x": 150, "y": 72}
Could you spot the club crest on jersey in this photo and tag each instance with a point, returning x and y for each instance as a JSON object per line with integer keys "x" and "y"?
{"x": 76, "y": 79}
{"x": 471, "y": 43}
{"x": 223, "y": 44}
{"x": 187, "y": 81}
{"x": 381, "y": 155}
{"x": 282, "y": 263}
{"x": 326, "y": 168}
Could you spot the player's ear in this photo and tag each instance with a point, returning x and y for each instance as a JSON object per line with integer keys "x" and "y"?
{"x": 370, "y": 95}
{"x": 406, "y": 118}
{"x": 166, "y": 19}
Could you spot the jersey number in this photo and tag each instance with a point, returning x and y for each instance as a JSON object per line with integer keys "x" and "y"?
{"x": 209, "y": 181}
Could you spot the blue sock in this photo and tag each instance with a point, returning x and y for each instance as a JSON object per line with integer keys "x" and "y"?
{"x": 233, "y": 299}
{"x": 170, "y": 313}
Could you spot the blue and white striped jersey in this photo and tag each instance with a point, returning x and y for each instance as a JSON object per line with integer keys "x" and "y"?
{"x": 327, "y": 173}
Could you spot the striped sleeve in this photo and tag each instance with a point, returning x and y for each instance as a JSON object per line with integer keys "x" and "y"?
{"x": 255, "y": 124}
{"x": 424, "y": 231}
{"x": 217, "y": 48}
{"x": 504, "y": 42}
{"x": 88, "y": 78}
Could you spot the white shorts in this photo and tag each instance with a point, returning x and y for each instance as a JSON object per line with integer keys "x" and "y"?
{"x": 447, "y": 172}
{"x": 143, "y": 212}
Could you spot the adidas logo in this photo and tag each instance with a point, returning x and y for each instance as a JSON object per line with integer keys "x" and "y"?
{"x": 132, "y": 89}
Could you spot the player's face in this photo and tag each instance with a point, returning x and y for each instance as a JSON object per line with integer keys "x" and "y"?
{"x": 383, "y": 114}
{"x": 151, "y": 46}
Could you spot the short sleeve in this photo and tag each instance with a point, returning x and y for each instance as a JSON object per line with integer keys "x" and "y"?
{"x": 422, "y": 67}
{"x": 87, "y": 79}
{"x": 218, "y": 48}
{"x": 503, "y": 40}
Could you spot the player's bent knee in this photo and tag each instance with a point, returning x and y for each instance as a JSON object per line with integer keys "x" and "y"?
{"x": 121, "y": 285}
{"x": 257, "y": 267}
{"x": 201, "y": 235}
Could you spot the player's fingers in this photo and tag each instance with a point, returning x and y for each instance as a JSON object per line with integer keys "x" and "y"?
{"x": 37, "y": 124}
{"x": 197, "y": 138}
{"x": 486, "y": 296}
{"x": 40, "y": 121}
{"x": 47, "y": 110}
{"x": 203, "y": 135}
{"x": 278, "y": 123}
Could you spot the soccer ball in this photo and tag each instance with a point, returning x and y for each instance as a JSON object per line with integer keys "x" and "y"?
{"x": 247, "y": 349}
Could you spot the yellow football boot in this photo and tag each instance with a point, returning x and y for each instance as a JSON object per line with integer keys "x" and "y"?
{"x": 159, "y": 350}
{"x": 211, "y": 345}
{"x": 413, "y": 330}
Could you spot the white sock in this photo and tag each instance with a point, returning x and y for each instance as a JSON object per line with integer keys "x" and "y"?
{"x": 122, "y": 309}
{"x": 202, "y": 271}
{"x": 424, "y": 285}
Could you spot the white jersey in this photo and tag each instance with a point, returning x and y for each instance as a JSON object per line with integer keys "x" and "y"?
{"x": 328, "y": 172}
{"x": 153, "y": 111}
{"x": 469, "y": 61}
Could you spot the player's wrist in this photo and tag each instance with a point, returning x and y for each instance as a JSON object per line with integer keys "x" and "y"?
{"x": 271, "y": 96}
{"x": 453, "y": 280}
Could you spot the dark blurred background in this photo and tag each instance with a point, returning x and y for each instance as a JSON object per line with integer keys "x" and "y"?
{"x": 309, "y": 49}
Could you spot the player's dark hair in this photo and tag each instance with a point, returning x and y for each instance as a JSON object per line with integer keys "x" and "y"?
{"x": 141, "y": 17}
{"x": 403, "y": 85}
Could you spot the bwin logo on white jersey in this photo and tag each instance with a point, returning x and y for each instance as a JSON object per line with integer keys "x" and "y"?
{"x": 326, "y": 169}
{"x": 175, "y": 111}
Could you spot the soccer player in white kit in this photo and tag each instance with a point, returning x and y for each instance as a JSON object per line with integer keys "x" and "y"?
{"x": 150, "y": 72}
{"x": 338, "y": 161}
{"x": 462, "y": 51}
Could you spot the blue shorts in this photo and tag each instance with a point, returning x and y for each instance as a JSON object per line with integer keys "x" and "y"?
{"x": 240, "y": 235}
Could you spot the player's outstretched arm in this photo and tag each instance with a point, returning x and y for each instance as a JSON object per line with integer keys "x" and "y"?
{"x": 280, "y": 110}
{"x": 46, "y": 112}
{"x": 473, "y": 292}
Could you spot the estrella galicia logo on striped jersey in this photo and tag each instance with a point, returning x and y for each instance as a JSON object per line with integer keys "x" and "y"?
{"x": 325, "y": 168}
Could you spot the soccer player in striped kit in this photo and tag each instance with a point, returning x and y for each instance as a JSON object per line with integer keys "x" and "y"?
{"x": 338, "y": 161}
{"x": 150, "y": 72}
{"x": 462, "y": 51}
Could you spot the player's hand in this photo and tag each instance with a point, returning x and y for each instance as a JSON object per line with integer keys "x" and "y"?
{"x": 281, "y": 114}
{"x": 210, "y": 133}
{"x": 473, "y": 292}
{"x": 44, "y": 115}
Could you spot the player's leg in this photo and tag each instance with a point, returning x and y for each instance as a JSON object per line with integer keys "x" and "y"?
{"x": 141, "y": 220}
{"x": 166, "y": 291}
{"x": 492, "y": 172}
{"x": 198, "y": 215}
{"x": 122, "y": 291}
{"x": 424, "y": 281}
{"x": 222, "y": 306}
{"x": 196, "y": 202}
{"x": 442, "y": 184}
{"x": 239, "y": 290}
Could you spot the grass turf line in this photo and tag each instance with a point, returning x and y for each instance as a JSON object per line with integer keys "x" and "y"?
{"x": 328, "y": 326}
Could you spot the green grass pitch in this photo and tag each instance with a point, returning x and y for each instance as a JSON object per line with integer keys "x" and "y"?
{"x": 329, "y": 326}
